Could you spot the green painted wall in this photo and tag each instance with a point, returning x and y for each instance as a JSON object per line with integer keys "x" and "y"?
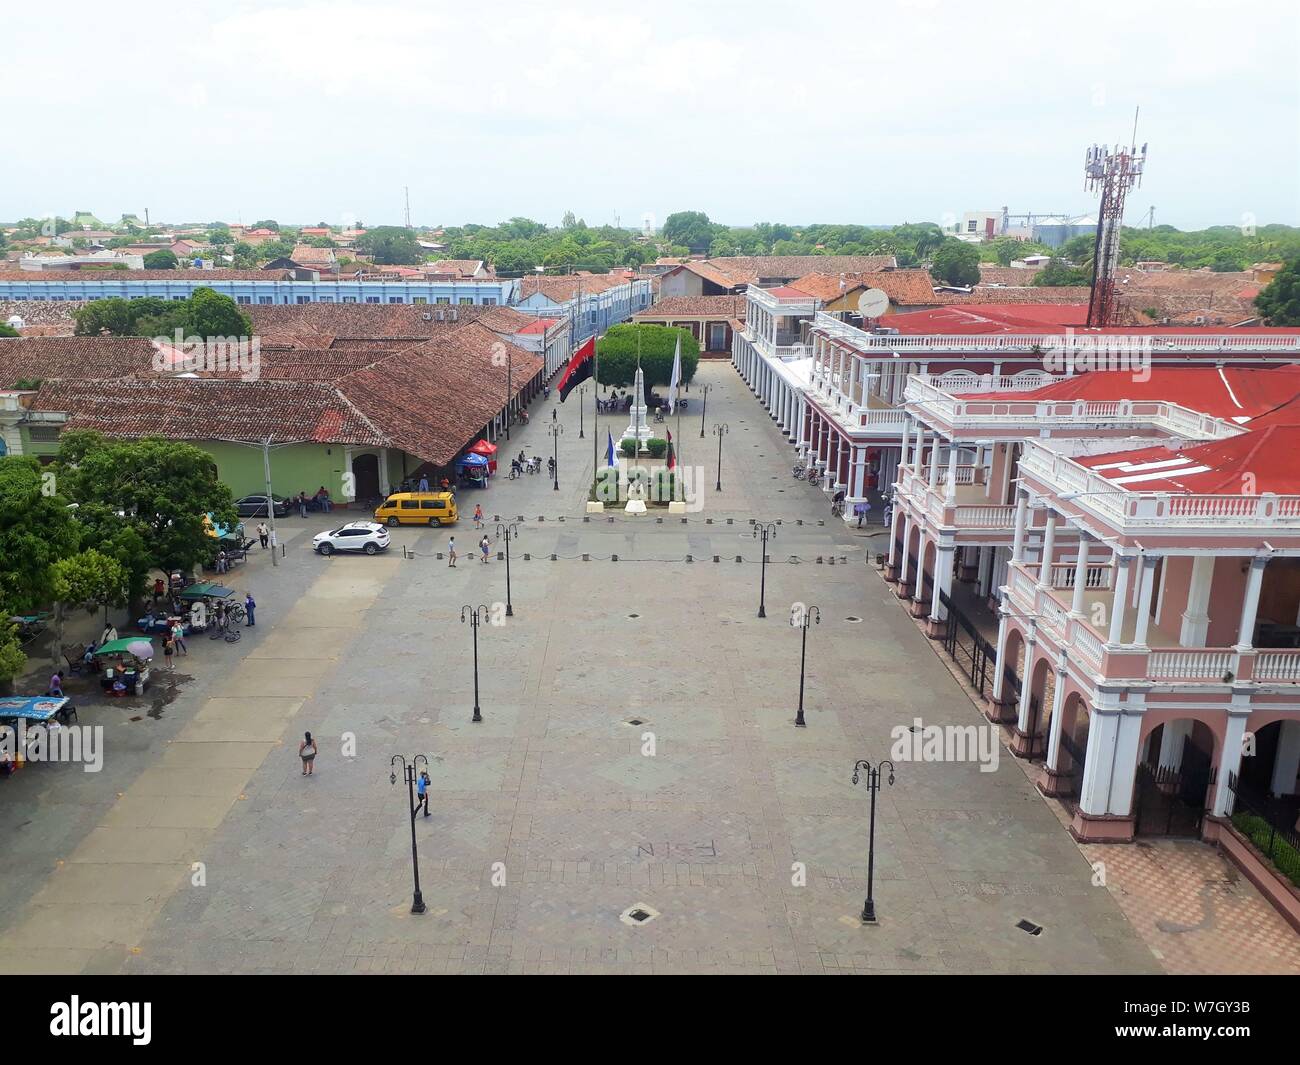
{"x": 294, "y": 468}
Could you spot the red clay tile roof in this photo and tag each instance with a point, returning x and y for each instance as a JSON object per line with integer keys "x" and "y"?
{"x": 693, "y": 307}
{"x": 905, "y": 288}
{"x": 144, "y": 275}
{"x": 93, "y": 358}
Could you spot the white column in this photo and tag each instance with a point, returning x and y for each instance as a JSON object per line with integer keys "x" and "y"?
{"x": 999, "y": 659}
{"x": 1049, "y": 551}
{"x": 1250, "y": 604}
{"x": 1054, "y": 724}
{"x": 858, "y": 473}
{"x": 1110, "y": 765}
{"x": 1286, "y": 763}
{"x": 1022, "y": 515}
{"x": 1027, "y": 681}
{"x": 1120, "y": 599}
{"x": 934, "y": 461}
{"x": 986, "y": 570}
{"x": 1080, "y": 576}
{"x": 942, "y": 581}
{"x": 1196, "y": 619}
{"x": 1144, "y": 600}
{"x": 951, "y": 495}
{"x": 1230, "y": 758}
{"x": 907, "y": 543}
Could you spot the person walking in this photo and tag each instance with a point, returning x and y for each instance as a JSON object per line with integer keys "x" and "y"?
{"x": 451, "y": 552}
{"x": 422, "y": 792}
{"x": 263, "y": 534}
{"x": 250, "y": 605}
{"x": 478, "y": 515}
{"x": 302, "y": 504}
{"x": 307, "y": 752}
{"x": 485, "y": 547}
{"x": 56, "y": 685}
{"x": 169, "y": 649}
{"x": 178, "y": 634}
{"x": 424, "y": 483}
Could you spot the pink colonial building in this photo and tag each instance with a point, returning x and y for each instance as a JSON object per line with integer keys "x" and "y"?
{"x": 837, "y": 390}
{"x": 1140, "y": 537}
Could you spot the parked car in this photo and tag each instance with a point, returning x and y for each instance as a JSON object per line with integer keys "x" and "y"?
{"x": 367, "y": 536}
{"x": 418, "y": 508}
{"x": 255, "y": 506}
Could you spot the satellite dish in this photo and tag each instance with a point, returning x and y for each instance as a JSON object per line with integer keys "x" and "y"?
{"x": 873, "y": 303}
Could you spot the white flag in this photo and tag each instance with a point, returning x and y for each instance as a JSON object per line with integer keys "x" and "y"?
{"x": 675, "y": 383}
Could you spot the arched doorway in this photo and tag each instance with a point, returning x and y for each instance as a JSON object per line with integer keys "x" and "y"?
{"x": 1030, "y": 740}
{"x": 1066, "y": 779}
{"x": 365, "y": 475}
{"x": 1173, "y": 787}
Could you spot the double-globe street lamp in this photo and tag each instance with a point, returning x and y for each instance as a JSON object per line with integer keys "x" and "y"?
{"x": 507, "y": 530}
{"x": 705, "y": 389}
{"x": 410, "y": 770}
{"x": 475, "y": 615}
{"x": 768, "y": 532}
{"x": 556, "y": 431}
{"x": 582, "y": 402}
{"x": 720, "y": 430}
{"x": 873, "y": 784}
{"x": 801, "y": 617}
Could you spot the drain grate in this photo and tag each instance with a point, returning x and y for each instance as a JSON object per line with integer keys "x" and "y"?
{"x": 635, "y": 721}
{"x": 853, "y": 620}
{"x": 1030, "y": 927}
{"x": 634, "y": 616}
{"x": 638, "y": 915}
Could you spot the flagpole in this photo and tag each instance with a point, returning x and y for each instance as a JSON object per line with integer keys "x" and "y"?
{"x": 595, "y": 407}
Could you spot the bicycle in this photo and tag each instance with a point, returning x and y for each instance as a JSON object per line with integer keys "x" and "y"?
{"x": 813, "y": 476}
{"x": 799, "y": 470}
{"x": 837, "y": 509}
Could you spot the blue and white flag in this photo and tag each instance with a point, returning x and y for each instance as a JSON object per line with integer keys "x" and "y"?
{"x": 609, "y": 450}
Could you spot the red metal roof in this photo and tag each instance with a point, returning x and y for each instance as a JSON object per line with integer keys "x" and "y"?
{"x": 972, "y": 318}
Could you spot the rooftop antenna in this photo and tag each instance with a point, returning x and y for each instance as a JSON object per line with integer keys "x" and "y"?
{"x": 1113, "y": 173}
{"x": 407, "y": 190}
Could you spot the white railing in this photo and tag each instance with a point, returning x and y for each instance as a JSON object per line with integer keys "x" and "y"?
{"x": 1096, "y": 578}
{"x": 1188, "y": 665}
{"x": 985, "y": 517}
{"x": 1087, "y": 643}
{"x": 1052, "y": 615}
{"x": 1022, "y": 587}
{"x": 1277, "y": 665}
{"x": 882, "y": 418}
{"x": 934, "y": 397}
{"x": 1123, "y": 507}
{"x": 964, "y": 475}
{"x": 1046, "y": 342}
{"x": 957, "y": 381}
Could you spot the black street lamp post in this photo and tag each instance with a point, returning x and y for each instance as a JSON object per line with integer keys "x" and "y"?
{"x": 556, "y": 431}
{"x": 510, "y": 371}
{"x": 705, "y": 389}
{"x": 506, "y": 530}
{"x": 768, "y": 532}
{"x": 582, "y": 399}
{"x": 720, "y": 430}
{"x": 873, "y": 783}
{"x": 410, "y": 770}
{"x": 475, "y": 615}
{"x": 810, "y": 615}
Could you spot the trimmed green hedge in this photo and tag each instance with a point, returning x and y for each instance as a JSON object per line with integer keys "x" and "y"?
{"x": 1285, "y": 858}
{"x": 657, "y": 447}
{"x": 617, "y": 350}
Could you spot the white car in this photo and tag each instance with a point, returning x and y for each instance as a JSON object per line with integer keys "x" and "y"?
{"x": 367, "y": 536}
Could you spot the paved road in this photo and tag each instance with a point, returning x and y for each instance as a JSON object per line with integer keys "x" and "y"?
{"x": 742, "y": 835}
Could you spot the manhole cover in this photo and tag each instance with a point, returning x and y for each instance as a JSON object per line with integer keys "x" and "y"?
{"x": 1030, "y": 927}
{"x": 638, "y": 915}
{"x": 852, "y": 620}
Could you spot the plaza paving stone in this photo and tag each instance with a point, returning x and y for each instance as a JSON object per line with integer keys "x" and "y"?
{"x": 548, "y": 820}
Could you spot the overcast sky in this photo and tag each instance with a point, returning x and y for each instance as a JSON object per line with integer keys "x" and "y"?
{"x": 908, "y": 110}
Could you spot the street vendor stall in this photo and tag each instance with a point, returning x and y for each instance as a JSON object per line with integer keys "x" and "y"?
{"x": 215, "y": 607}
{"x": 472, "y": 470}
{"x": 489, "y": 451}
{"x": 124, "y": 665}
{"x": 16, "y": 711}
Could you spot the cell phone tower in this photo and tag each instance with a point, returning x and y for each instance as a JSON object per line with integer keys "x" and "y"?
{"x": 1113, "y": 172}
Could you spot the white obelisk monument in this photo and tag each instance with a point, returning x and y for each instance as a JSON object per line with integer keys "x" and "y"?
{"x": 638, "y": 429}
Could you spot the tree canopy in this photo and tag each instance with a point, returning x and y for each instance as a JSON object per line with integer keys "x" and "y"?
{"x": 162, "y": 259}
{"x": 205, "y": 314}
{"x": 956, "y": 263}
{"x": 1279, "y": 303}
{"x": 617, "y": 352}
{"x": 391, "y": 245}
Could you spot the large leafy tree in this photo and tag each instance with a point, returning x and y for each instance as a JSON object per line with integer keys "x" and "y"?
{"x": 36, "y": 530}
{"x": 1058, "y": 273}
{"x": 617, "y": 351}
{"x": 88, "y": 578}
{"x": 162, "y": 259}
{"x": 159, "y": 490}
{"x": 956, "y": 263}
{"x": 391, "y": 245}
{"x": 691, "y": 228}
{"x": 1280, "y": 300}
{"x": 205, "y": 314}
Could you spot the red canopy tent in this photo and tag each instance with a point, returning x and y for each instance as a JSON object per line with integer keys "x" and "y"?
{"x": 488, "y": 450}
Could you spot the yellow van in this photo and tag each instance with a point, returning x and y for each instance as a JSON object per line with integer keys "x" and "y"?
{"x": 417, "y": 508}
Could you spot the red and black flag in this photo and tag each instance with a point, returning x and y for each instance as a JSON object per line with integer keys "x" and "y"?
{"x": 578, "y": 370}
{"x": 672, "y": 455}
